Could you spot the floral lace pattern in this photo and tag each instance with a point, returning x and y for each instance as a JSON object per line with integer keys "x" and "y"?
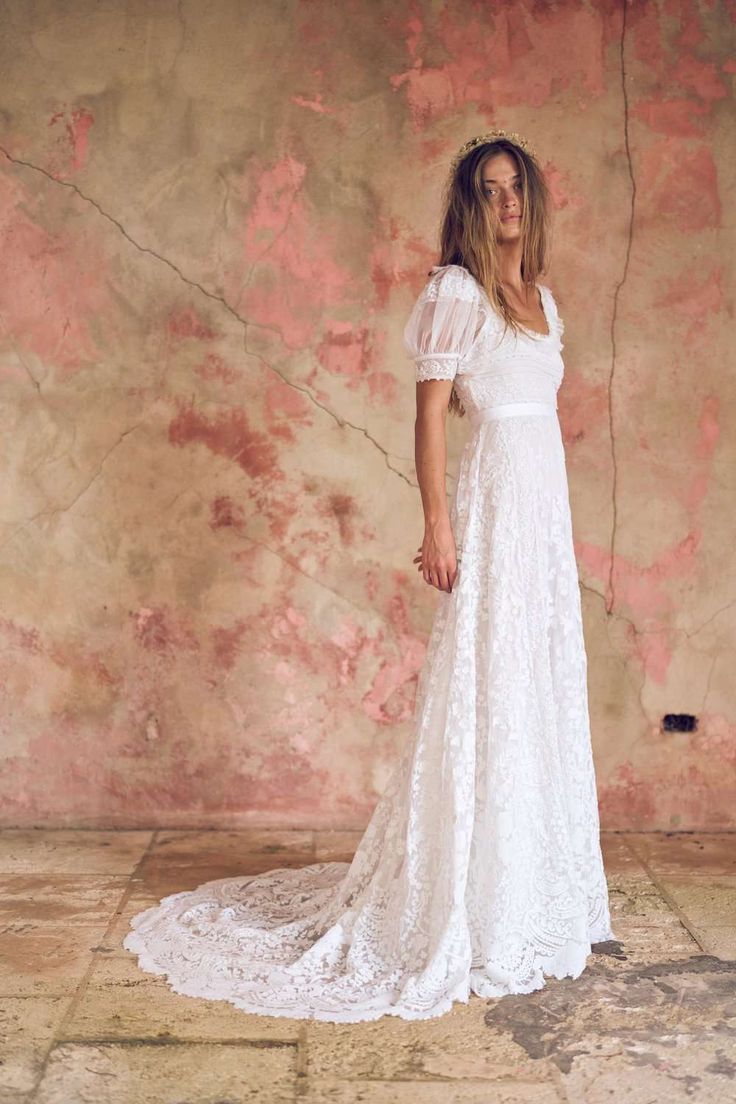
{"x": 437, "y": 366}
{"x": 480, "y": 870}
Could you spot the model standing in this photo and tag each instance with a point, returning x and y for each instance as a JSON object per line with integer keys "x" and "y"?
{"x": 480, "y": 870}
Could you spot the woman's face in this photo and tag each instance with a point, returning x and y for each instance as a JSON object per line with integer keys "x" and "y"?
{"x": 503, "y": 189}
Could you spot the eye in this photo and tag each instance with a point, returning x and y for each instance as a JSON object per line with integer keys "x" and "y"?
{"x": 492, "y": 191}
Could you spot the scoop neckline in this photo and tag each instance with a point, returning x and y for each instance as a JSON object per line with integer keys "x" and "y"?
{"x": 527, "y": 330}
{"x": 543, "y": 304}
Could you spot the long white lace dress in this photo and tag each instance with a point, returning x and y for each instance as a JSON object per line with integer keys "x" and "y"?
{"x": 480, "y": 870}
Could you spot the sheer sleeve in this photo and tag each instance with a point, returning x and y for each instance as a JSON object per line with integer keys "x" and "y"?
{"x": 443, "y": 323}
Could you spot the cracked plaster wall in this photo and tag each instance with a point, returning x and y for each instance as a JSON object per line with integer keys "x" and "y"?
{"x": 215, "y": 218}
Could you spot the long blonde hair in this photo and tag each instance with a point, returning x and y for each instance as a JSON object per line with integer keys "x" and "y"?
{"x": 469, "y": 226}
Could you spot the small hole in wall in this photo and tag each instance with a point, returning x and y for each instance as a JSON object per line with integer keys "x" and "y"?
{"x": 679, "y": 722}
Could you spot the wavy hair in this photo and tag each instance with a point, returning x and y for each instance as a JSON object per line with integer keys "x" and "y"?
{"x": 469, "y": 228}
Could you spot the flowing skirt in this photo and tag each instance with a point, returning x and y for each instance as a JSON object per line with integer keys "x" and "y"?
{"x": 480, "y": 870}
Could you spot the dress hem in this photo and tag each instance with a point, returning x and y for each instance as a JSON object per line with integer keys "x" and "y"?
{"x": 569, "y": 960}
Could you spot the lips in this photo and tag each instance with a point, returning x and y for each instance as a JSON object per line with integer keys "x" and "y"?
{"x": 510, "y": 218}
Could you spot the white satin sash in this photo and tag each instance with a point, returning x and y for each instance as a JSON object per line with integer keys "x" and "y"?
{"x": 510, "y": 410}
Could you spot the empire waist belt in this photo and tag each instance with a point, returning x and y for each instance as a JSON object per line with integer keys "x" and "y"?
{"x": 510, "y": 410}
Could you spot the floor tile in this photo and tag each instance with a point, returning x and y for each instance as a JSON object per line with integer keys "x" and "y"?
{"x": 66, "y": 851}
{"x": 336, "y": 846}
{"x": 180, "y": 847}
{"x": 38, "y": 959}
{"x": 159, "y": 875}
{"x": 121, "y": 1001}
{"x": 649, "y": 941}
{"x": 27, "y": 1028}
{"x": 428, "y": 1092}
{"x": 161, "y": 1073}
{"x": 719, "y": 941}
{"x": 618, "y": 858}
{"x": 651, "y": 1017}
{"x": 71, "y": 899}
{"x": 698, "y": 855}
{"x": 705, "y": 905}
{"x": 640, "y": 901}
{"x": 455, "y": 1046}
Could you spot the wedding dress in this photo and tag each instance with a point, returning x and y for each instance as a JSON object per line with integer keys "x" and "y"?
{"x": 480, "y": 870}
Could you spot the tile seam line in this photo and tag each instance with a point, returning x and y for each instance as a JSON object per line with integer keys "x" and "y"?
{"x": 83, "y": 982}
{"x": 666, "y": 896}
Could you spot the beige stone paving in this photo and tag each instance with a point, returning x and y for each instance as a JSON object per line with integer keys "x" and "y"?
{"x": 45, "y": 959}
{"x": 120, "y": 1001}
{"x": 454, "y": 1047}
{"x": 66, "y": 851}
{"x": 720, "y": 941}
{"x": 174, "y": 1073}
{"x": 51, "y": 898}
{"x": 694, "y": 855}
{"x": 429, "y": 1092}
{"x": 652, "y": 1018}
{"x": 335, "y": 846}
{"x": 27, "y": 1029}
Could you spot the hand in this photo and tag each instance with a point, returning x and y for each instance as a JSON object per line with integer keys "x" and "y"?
{"x": 437, "y": 559}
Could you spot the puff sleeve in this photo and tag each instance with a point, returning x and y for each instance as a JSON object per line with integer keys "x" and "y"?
{"x": 443, "y": 323}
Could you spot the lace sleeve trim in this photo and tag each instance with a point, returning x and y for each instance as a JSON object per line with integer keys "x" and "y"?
{"x": 436, "y": 366}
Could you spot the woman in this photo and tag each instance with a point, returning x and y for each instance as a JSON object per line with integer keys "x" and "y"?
{"x": 480, "y": 870}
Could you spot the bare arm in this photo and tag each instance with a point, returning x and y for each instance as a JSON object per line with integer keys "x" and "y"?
{"x": 437, "y": 557}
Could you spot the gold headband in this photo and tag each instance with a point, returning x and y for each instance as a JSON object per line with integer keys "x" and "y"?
{"x": 511, "y": 135}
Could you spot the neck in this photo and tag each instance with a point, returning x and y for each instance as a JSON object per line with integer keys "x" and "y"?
{"x": 510, "y": 264}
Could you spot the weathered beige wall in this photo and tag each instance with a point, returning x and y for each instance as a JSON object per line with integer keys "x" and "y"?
{"x": 215, "y": 218}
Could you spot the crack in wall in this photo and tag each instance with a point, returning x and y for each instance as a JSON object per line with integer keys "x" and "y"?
{"x": 243, "y": 322}
{"x": 638, "y": 690}
{"x": 21, "y": 359}
{"x": 610, "y": 592}
{"x": 367, "y": 612}
{"x": 338, "y": 418}
{"x": 708, "y": 620}
{"x": 183, "y": 32}
{"x": 50, "y": 511}
{"x": 706, "y": 692}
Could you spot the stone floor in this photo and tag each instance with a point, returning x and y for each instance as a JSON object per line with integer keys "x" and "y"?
{"x": 652, "y": 1018}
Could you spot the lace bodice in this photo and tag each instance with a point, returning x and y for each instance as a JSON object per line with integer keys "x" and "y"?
{"x": 454, "y": 332}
